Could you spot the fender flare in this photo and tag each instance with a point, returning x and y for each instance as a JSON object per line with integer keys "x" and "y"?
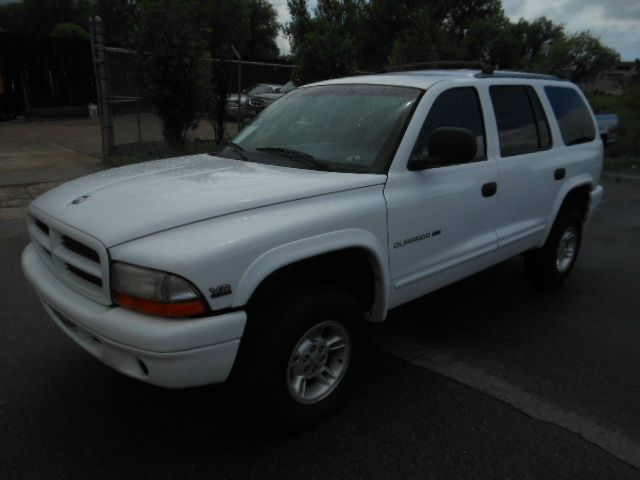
{"x": 289, "y": 253}
{"x": 574, "y": 182}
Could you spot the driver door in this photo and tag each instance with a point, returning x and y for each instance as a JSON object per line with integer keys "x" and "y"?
{"x": 442, "y": 219}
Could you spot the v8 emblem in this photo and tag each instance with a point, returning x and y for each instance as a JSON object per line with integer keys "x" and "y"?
{"x": 220, "y": 290}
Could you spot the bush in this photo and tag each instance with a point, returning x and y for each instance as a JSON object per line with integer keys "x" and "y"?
{"x": 170, "y": 41}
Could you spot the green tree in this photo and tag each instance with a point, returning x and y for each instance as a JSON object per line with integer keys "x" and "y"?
{"x": 324, "y": 46}
{"x": 69, "y": 30}
{"x": 300, "y": 25}
{"x": 39, "y": 17}
{"x": 580, "y": 57}
{"x": 416, "y": 43}
{"x": 263, "y": 30}
{"x": 13, "y": 17}
{"x": 383, "y": 23}
{"x": 118, "y": 18}
{"x": 170, "y": 37}
{"x": 251, "y": 26}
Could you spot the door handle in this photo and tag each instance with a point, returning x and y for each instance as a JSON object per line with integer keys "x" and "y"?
{"x": 559, "y": 173}
{"x": 489, "y": 189}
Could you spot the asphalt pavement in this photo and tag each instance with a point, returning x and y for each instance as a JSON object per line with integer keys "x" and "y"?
{"x": 484, "y": 379}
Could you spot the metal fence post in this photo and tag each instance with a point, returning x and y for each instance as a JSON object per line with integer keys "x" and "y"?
{"x": 239, "y": 58}
{"x": 102, "y": 82}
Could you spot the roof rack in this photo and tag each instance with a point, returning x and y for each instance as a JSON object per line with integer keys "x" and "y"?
{"x": 527, "y": 75}
{"x": 441, "y": 65}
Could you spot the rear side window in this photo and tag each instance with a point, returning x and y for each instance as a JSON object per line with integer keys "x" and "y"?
{"x": 522, "y": 124}
{"x": 574, "y": 118}
{"x": 457, "y": 107}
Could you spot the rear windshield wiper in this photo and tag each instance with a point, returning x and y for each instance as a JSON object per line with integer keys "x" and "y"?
{"x": 302, "y": 157}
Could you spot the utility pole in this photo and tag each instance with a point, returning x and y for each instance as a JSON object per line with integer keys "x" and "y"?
{"x": 239, "y": 58}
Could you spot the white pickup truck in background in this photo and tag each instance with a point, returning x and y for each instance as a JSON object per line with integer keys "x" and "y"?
{"x": 608, "y": 127}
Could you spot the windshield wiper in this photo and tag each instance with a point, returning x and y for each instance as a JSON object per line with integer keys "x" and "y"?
{"x": 238, "y": 149}
{"x": 302, "y": 157}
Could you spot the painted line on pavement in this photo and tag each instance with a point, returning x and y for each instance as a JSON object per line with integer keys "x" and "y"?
{"x": 617, "y": 444}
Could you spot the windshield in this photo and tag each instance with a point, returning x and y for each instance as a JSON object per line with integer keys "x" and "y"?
{"x": 352, "y": 128}
{"x": 287, "y": 87}
{"x": 262, "y": 88}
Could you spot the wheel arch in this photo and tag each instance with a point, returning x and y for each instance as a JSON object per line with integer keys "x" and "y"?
{"x": 576, "y": 192}
{"x": 358, "y": 254}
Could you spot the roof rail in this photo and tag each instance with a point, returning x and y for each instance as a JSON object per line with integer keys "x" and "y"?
{"x": 441, "y": 65}
{"x": 527, "y": 75}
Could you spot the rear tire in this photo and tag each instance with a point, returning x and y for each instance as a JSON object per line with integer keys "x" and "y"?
{"x": 549, "y": 266}
{"x": 301, "y": 355}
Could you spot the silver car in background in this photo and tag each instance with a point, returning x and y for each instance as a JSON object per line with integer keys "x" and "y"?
{"x": 241, "y": 108}
{"x": 260, "y": 101}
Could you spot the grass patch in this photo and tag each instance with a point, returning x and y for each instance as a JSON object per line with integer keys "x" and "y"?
{"x": 141, "y": 152}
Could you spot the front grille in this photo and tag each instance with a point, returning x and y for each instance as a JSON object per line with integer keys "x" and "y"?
{"x": 43, "y": 227}
{"x": 75, "y": 258}
{"x": 81, "y": 249}
{"x": 82, "y": 274}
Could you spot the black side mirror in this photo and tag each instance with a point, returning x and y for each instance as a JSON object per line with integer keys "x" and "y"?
{"x": 446, "y": 146}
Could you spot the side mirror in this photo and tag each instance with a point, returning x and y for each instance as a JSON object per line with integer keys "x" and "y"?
{"x": 446, "y": 146}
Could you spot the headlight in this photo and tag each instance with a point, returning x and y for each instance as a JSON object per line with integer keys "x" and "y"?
{"x": 154, "y": 292}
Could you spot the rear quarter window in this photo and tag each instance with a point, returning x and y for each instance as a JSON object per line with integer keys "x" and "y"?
{"x": 572, "y": 114}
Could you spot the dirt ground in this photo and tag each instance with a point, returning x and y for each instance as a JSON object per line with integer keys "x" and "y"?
{"x": 36, "y": 156}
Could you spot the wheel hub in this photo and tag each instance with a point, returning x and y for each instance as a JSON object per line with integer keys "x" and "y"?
{"x": 318, "y": 362}
{"x": 567, "y": 248}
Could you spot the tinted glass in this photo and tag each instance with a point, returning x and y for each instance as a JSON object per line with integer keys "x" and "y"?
{"x": 261, "y": 88}
{"x": 353, "y": 128}
{"x": 544, "y": 135}
{"x": 574, "y": 118}
{"x": 458, "y": 107}
{"x": 516, "y": 120}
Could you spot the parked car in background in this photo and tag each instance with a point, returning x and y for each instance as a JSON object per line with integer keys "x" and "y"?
{"x": 242, "y": 109}
{"x": 235, "y": 109}
{"x": 608, "y": 127}
{"x": 259, "y": 102}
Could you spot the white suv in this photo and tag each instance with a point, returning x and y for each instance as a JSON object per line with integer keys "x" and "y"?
{"x": 342, "y": 200}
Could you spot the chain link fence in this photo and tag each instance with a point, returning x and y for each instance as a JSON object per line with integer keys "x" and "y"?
{"x": 129, "y": 122}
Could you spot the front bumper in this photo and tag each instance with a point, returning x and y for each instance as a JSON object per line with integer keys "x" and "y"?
{"x": 172, "y": 353}
{"x": 595, "y": 200}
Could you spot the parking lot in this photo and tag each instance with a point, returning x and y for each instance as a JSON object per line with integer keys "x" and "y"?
{"x": 486, "y": 378}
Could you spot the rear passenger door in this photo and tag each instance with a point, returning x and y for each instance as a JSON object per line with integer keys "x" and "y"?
{"x": 529, "y": 170}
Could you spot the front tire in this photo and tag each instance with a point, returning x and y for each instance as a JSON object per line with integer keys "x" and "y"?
{"x": 302, "y": 352}
{"x": 549, "y": 266}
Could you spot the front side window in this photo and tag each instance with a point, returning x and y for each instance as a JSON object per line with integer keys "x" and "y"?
{"x": 574, "y": 118}
{"x": 522, "y": 124}
{"x": 352, "y": 128}
{"x": 460, "y": 108}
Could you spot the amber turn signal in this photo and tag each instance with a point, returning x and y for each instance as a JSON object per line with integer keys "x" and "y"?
{"x": 179, "y": 309}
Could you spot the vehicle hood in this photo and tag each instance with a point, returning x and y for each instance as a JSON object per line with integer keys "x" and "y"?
{"x": 121, "y": 204}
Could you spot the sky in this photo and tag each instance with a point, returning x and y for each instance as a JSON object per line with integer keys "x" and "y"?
{"x": 615, "y": 22}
